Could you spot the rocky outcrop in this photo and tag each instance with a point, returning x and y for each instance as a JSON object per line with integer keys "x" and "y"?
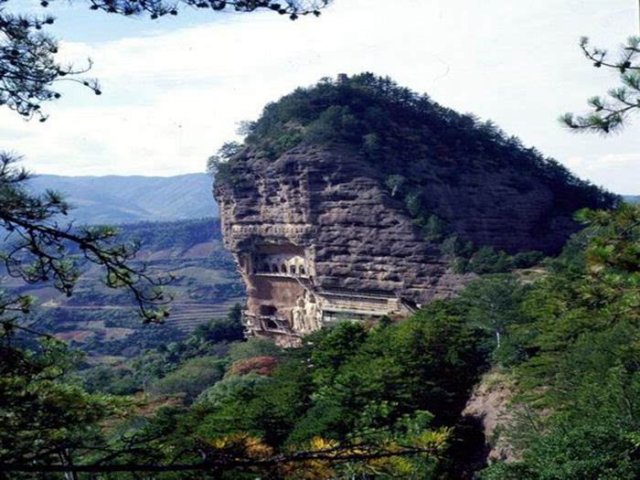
{"x": 329, "y": 204}
{"x": 489, "y": 405}
{"x": 318, "y": 236}
{"x": 359, "y": 253}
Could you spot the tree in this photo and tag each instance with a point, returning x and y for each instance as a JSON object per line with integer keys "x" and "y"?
{"x": 38, "y": 248}
{"x": 609, "y": 114}
{"x": 491, "y": 303}
{"x": 579, "y": 375}
{"x": 45, "y": 419}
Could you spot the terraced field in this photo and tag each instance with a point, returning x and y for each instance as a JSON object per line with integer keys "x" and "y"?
{"x": 187, "y": 316}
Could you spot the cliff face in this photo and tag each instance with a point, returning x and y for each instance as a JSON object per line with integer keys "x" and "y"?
{"x": 318, "y": 237}
{"x": 344, "y": 196}
{"x": 330, "y": 205}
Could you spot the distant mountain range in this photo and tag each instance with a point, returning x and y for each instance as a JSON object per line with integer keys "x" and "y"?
{"x": 131, "y": 199}
{"x": 632, "y": 198}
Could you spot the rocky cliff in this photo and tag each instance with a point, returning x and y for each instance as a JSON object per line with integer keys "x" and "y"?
{"x": 352, "y": 199}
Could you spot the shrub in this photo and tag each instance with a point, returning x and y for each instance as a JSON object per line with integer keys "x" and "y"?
{"x": 259, "y": 365}
{"x": 191, "y": 378}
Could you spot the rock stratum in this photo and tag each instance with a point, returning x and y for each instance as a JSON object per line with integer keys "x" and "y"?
{"x": 357, "y": 199}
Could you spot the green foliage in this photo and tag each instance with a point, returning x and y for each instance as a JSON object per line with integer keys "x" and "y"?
{"x": 394, "y": 127}
{"x": 109, "y": 380}
{"x": 204, "y": 281}
{"x": 433, "y": 228}
{"x": 267, "y": 407}
{"x": 253, "y": 347}
{"x": 191, "y": 378}
{"x": 491, "y": 304}
{"x": 419, "y": 149}
{"x": 222, "y": 330}
{"x": 365, "y": 382}
{"x": 578, "y": 370}
{"x": 393, "y": 182}
{"x": 485, "y": 260}
{"x": 526, "y": 259}
{"x": 372, "y": 149}
{"x": 488, "y": 260}
{"x": 609, "y": 114}
{"x": 36, "y": 248}
{"x": 218, "y": 164}
{"x": 390, "y": 385}
{"x": 230, "y": 392}
{"x": 454, "y": 247}
{"x": 569, "y": 337}
{"x": 44, "y": 417}
{"x": 172, "y": 366}
{"x": 576, "y": 448}
{"x": 412, "y": 203}
{"x": 335, "y": 346}
{"x": 336, "y": 123}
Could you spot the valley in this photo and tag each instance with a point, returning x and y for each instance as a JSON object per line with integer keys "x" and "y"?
{"x": 103, "y": 322}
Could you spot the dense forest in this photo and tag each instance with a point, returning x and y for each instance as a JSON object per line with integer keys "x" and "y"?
{"x": 367, "y": 400}
{"x": 400, "y": 132}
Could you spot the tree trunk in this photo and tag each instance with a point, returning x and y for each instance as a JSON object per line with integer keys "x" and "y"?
{"x": 66, "y": 461}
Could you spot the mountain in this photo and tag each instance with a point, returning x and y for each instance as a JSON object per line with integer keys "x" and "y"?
{"x": 358, "y": 198}
{"x": 130, "y": 199}
{"x": 632, "y": 198}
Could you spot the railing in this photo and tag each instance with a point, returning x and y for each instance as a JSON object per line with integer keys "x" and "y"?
{"x": 278, "y": 274}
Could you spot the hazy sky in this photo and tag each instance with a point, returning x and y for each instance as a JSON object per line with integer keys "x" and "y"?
{"x": 175, "y": 89}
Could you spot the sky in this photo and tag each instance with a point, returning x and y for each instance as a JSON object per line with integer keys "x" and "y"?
{"x": 175, "y": 89}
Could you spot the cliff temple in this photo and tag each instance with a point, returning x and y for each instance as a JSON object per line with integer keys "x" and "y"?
{"x": 315, "y": 244}
{"x": 285, "y": 300}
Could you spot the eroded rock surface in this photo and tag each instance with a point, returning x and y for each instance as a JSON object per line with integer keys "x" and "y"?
{"x": 318, "y": 236}
{"x": 489, "y": 404}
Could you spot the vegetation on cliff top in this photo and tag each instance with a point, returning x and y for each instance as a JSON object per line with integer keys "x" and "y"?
{"x": 406, "y": 135}
{"x": 574, "y": 352}
{"x": 420, "y": 151}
